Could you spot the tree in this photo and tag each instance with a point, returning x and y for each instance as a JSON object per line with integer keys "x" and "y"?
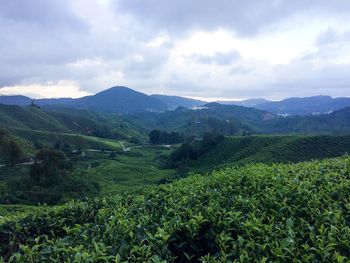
{"x": 57, "y": 145}
{"x": 14, "y": 152}
{"x": 154, "y": 136}
{"x": 50, "y": 165}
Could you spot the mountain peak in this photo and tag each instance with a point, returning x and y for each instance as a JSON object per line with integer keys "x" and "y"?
{"x": 118, "y": 89}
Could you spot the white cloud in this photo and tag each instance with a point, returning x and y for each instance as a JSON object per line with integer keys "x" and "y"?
{"x": 61, "y": 89}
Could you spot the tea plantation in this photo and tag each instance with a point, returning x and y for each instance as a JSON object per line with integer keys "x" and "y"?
{"x": 255, "y": 213}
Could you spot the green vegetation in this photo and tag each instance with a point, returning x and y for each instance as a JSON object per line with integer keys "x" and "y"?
{"x": 240, "y": 150}
{"x": 10, "y": 151}
{"x": 260, "y": 213}
{"x": 70, "y": 121}
{"x": 126, "y": 171}
{"x": 162, "y": 137}
{"x": 47, "y": 181}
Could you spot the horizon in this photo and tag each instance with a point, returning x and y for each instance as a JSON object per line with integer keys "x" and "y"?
{"x": 204, "y": 99}
{"x": 199, "y": 49}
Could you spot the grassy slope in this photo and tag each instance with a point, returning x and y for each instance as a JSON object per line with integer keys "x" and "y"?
{"x": 61, "y": 120}
{"x": 260, "y": 213}
{"x": 270, "y": 149}
{"x": 49, "y": 138}
{"x": 30, "y": 118}
{"x": 130, "y": 171}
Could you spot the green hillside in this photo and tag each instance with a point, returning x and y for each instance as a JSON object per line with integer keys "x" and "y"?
{"x": 65, "y": 120}
{"x": 28, "y": 117}
{"x": 256, "y": 213}
{"x": 241, "y": 150}
{"x": 223, "y": 119}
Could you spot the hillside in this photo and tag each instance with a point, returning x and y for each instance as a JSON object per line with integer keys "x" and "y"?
{"x": 279, "y": 213}
{"x": 224, "y": 119}
{"x": 271, "y": 149}
{"x": 335, "y": 122}
{"x": 65, "y": 120}
{"x": 237, "y": 120}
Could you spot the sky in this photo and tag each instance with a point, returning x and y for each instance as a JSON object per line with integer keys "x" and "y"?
{"x": 222, "y": 49}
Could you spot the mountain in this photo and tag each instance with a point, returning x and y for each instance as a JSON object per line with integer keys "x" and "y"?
{"x": 116, "y": 99}
{"x": 176, "y": 101}
{"x": 15, "y": 100}
{"x": 305, "y": 106}
{"x": 121, "y": 100}
{"x": 60, "y": 101}
{"x": 245, "y": 103}
{"x": 124, "y": 100}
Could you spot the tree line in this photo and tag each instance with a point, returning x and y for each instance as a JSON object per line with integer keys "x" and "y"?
{"x": 9, "y": 148}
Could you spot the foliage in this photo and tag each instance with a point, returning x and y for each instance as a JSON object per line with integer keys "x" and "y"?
{"x": 10, "y": 148}
{"x": 162, "y": 137}
{"x": 191, "y": 151}
{"x": 47, "y": 180}
{"x": 241, "y": 150}
{"x": 260, "y": 213}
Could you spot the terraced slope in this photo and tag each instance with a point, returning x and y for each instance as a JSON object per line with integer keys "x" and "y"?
{"x": 240, "y": 150}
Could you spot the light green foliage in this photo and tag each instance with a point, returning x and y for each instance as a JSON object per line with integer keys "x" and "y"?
{"x": 256, "y": 213}
{"x": 127, "y": 171}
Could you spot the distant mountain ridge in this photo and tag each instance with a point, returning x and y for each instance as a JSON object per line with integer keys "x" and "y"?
{"x": 176, "y": 101}
{"x": 117, "y": 99}
{"x": 245, "y": 103}
{"x": 305, "y": 106}
{"x": 120, "y": 99}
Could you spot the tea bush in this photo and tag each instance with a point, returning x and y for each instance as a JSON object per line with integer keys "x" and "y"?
{"x": 255, "y": 213}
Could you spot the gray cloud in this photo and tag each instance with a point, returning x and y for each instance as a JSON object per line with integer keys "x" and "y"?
{"x": 44, "y": 13}
{"x": 99, "y": 46}
{"x": 332, "y": 36}
{"x": 243, "y": 17}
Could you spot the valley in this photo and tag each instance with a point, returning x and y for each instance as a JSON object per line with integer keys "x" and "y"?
{"x": 156, "y": 179}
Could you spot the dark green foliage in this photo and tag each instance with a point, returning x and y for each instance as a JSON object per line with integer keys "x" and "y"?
{"x": 10, "y": 149}
{"x": 162, "y": 137}
{"x": 257, "y": 213}
{"x": 191, "y": 151}
{"x": 49, "y": 167}
{"x": 49, "y": 180}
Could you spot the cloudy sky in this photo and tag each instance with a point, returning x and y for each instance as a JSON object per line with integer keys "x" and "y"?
{"x": 200, "y": 48}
